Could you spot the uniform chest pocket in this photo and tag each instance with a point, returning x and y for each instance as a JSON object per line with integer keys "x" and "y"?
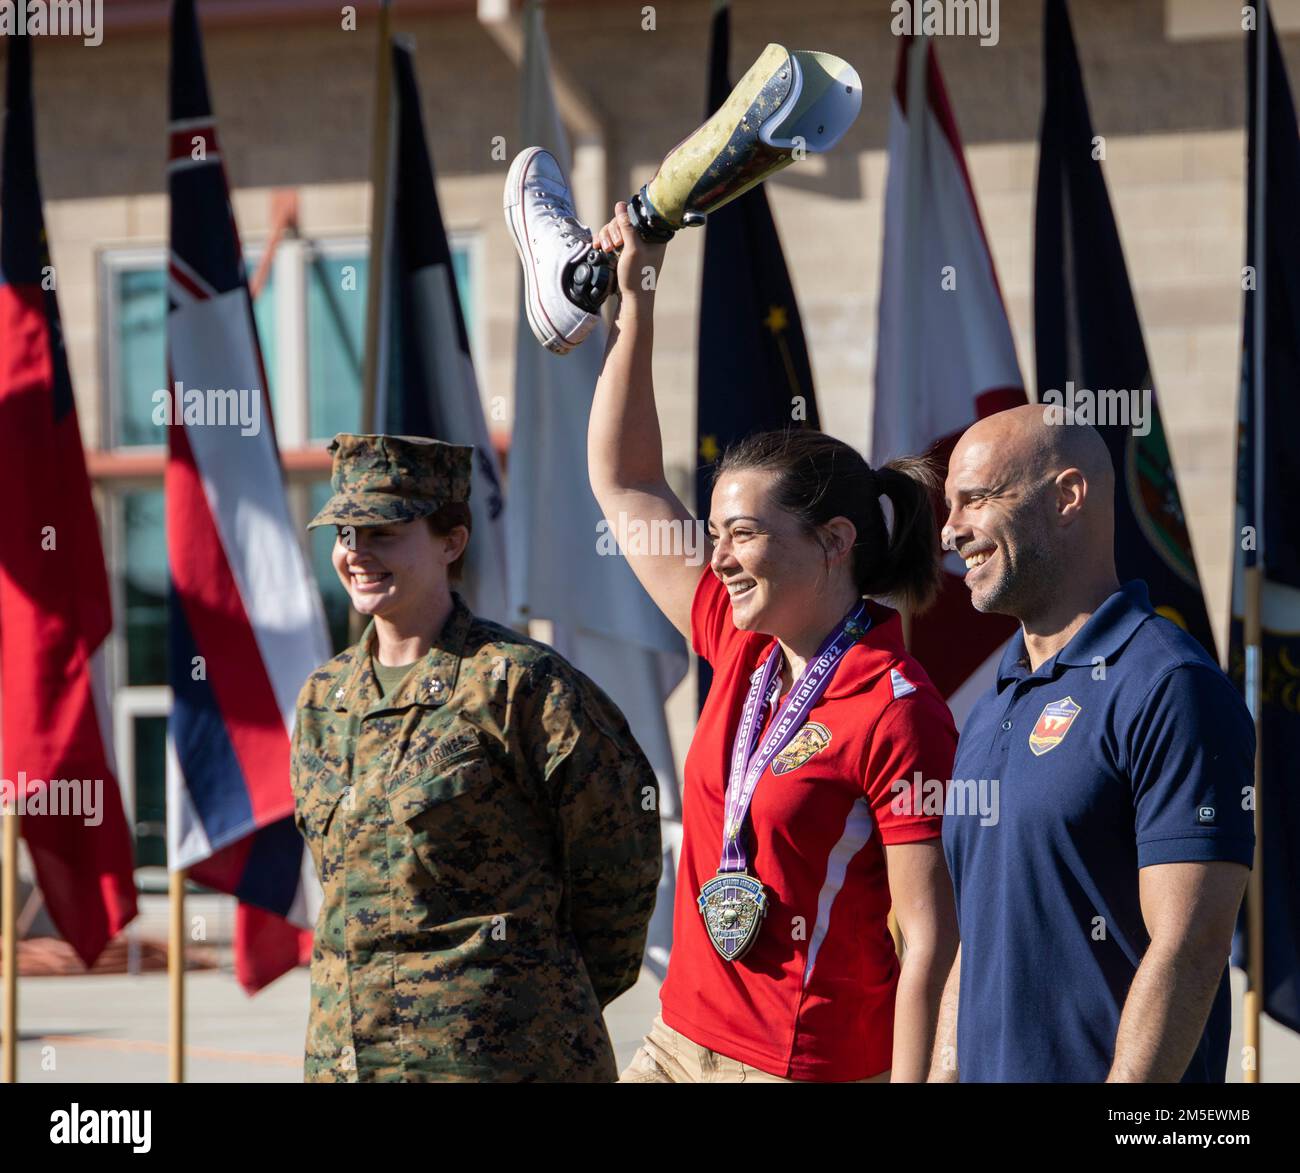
{"x": 465, "y": 836}
{"x": 425, "y": 784}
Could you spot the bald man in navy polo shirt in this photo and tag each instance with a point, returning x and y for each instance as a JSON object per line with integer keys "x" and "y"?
{"x": 1096, "y": 910}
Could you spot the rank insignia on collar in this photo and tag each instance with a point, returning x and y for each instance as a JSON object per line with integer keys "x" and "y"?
{"x": 1053, "y": 724}
{"x": 811, "y": 739}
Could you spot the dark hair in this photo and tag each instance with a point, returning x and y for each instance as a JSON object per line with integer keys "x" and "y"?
{"x": 443, "y": 521}
{"x": 820, "y": 477}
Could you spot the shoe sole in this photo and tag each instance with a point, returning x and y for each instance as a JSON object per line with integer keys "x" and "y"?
{"x": 516, "y": 220}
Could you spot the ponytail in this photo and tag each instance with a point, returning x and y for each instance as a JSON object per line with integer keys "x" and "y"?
{"x": 909, "y": 570}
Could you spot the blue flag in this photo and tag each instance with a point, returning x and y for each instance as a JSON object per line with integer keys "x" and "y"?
{"x": 754, "y": 374}
{"x": 1089, "y": 341}
{"x": 427, "y": 385}
{"x": 1268, "y": 481}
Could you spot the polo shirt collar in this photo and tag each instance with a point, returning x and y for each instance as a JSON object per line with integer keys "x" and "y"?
{"x": 1107, "y": 630}
{"x": 431, "y": 681}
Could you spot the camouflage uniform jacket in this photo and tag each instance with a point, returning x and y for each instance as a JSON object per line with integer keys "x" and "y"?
{"x": 487, "y": 838}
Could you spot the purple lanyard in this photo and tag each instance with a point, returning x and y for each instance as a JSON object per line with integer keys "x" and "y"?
{"x": 746, "y": 765}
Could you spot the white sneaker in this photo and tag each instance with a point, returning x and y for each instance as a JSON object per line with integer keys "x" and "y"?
{"x": 548, "y": 237}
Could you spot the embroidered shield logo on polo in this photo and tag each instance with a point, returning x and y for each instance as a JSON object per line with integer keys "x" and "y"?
{"x": 812, "y": 738}
{"x": 1053, "y": 724}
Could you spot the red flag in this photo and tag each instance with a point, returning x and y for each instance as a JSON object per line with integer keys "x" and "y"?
{"x": 268, "y": 946}
{"x": 54, "y": 604}
{"x": 946, "y": 357}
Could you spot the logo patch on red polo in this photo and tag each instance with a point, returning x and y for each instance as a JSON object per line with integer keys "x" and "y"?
{"x": 1053, "y": 724}
{"x": 811, "y": 739}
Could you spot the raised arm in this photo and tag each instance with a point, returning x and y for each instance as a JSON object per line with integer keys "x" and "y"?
{"x": 625, "y": 459}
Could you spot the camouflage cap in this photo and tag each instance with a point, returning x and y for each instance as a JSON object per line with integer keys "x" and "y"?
{"x": 381, "y": 479}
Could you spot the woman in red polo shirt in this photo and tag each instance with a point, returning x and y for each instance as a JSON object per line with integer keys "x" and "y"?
{"x": 798, "y": 830}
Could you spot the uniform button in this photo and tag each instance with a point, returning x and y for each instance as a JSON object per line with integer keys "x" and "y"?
{"x": 436, "y": 686}
{"x": 1006, "y": 724}
{"x": 338, "y": 693}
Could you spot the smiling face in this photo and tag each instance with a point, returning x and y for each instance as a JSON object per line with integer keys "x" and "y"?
{"x": 773, "y": 570}
{"x": 1001, "y": 522}
{"x": 393, "y": 570}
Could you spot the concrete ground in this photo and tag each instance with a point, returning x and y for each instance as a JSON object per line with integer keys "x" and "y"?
{"x": 113, "y": 1029}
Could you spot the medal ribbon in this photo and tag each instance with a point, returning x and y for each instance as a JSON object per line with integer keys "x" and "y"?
{"x": 746, "y": 765}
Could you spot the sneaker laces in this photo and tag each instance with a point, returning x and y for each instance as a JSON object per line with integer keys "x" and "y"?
{"x": 578, "y": 230}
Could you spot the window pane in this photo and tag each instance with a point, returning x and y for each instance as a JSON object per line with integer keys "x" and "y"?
{"x": 141, "y": 353}
{"x": 460, "y": 267}
{"x": 336, "y": 329}
{"x": 333, "y": 596}
{"x": 140, "y": 297}
{"x": 144, "y": 571}
{"x": 150, "y": 830}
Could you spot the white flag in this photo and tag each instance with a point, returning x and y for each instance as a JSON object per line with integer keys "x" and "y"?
{"x": 946, "y": 357}
{"x": 603, "y": 620}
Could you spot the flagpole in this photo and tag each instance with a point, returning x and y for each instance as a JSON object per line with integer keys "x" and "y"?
{"x": 1254, "y": 574}
{"x": 176, "y": 973}
{"x": 1255, "y": 886}
{"x": 918, "y": 69}
{"x": 918, "y": 73}
{"x": 918, "y": 61}
{"x": 9, "y": 929}
{"x": 380, "y": 158}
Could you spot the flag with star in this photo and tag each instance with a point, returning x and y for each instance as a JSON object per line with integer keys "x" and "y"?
{"x": 754, "y": 374}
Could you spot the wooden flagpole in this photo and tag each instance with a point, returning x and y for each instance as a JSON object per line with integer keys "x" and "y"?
{"x": 918, "y": 69}
{"x": 381, "y": 156}
{"x": 9, "y": 929}
{"x": 380, "y": 169}
{"x": 176, "y": 974}
{"x": 1254, "y": 575}
{"x": 1253, "y": 632}
{"x": 918, "y": 112}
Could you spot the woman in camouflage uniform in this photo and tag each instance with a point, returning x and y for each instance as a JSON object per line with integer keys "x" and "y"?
{"x": 484, "y": 825}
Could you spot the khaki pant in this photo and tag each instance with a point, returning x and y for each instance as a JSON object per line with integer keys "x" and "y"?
{"x": 667, "y": 1056}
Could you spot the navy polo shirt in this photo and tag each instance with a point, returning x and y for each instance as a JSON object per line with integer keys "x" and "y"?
{"x": 1128, "y": 748}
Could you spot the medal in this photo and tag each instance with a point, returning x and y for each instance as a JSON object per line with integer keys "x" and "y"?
{"x": 733, "y": 905}
{"x": 734, "y": 902}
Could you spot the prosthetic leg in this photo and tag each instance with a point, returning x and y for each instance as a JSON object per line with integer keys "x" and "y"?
{"x": 788, "y": 104}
